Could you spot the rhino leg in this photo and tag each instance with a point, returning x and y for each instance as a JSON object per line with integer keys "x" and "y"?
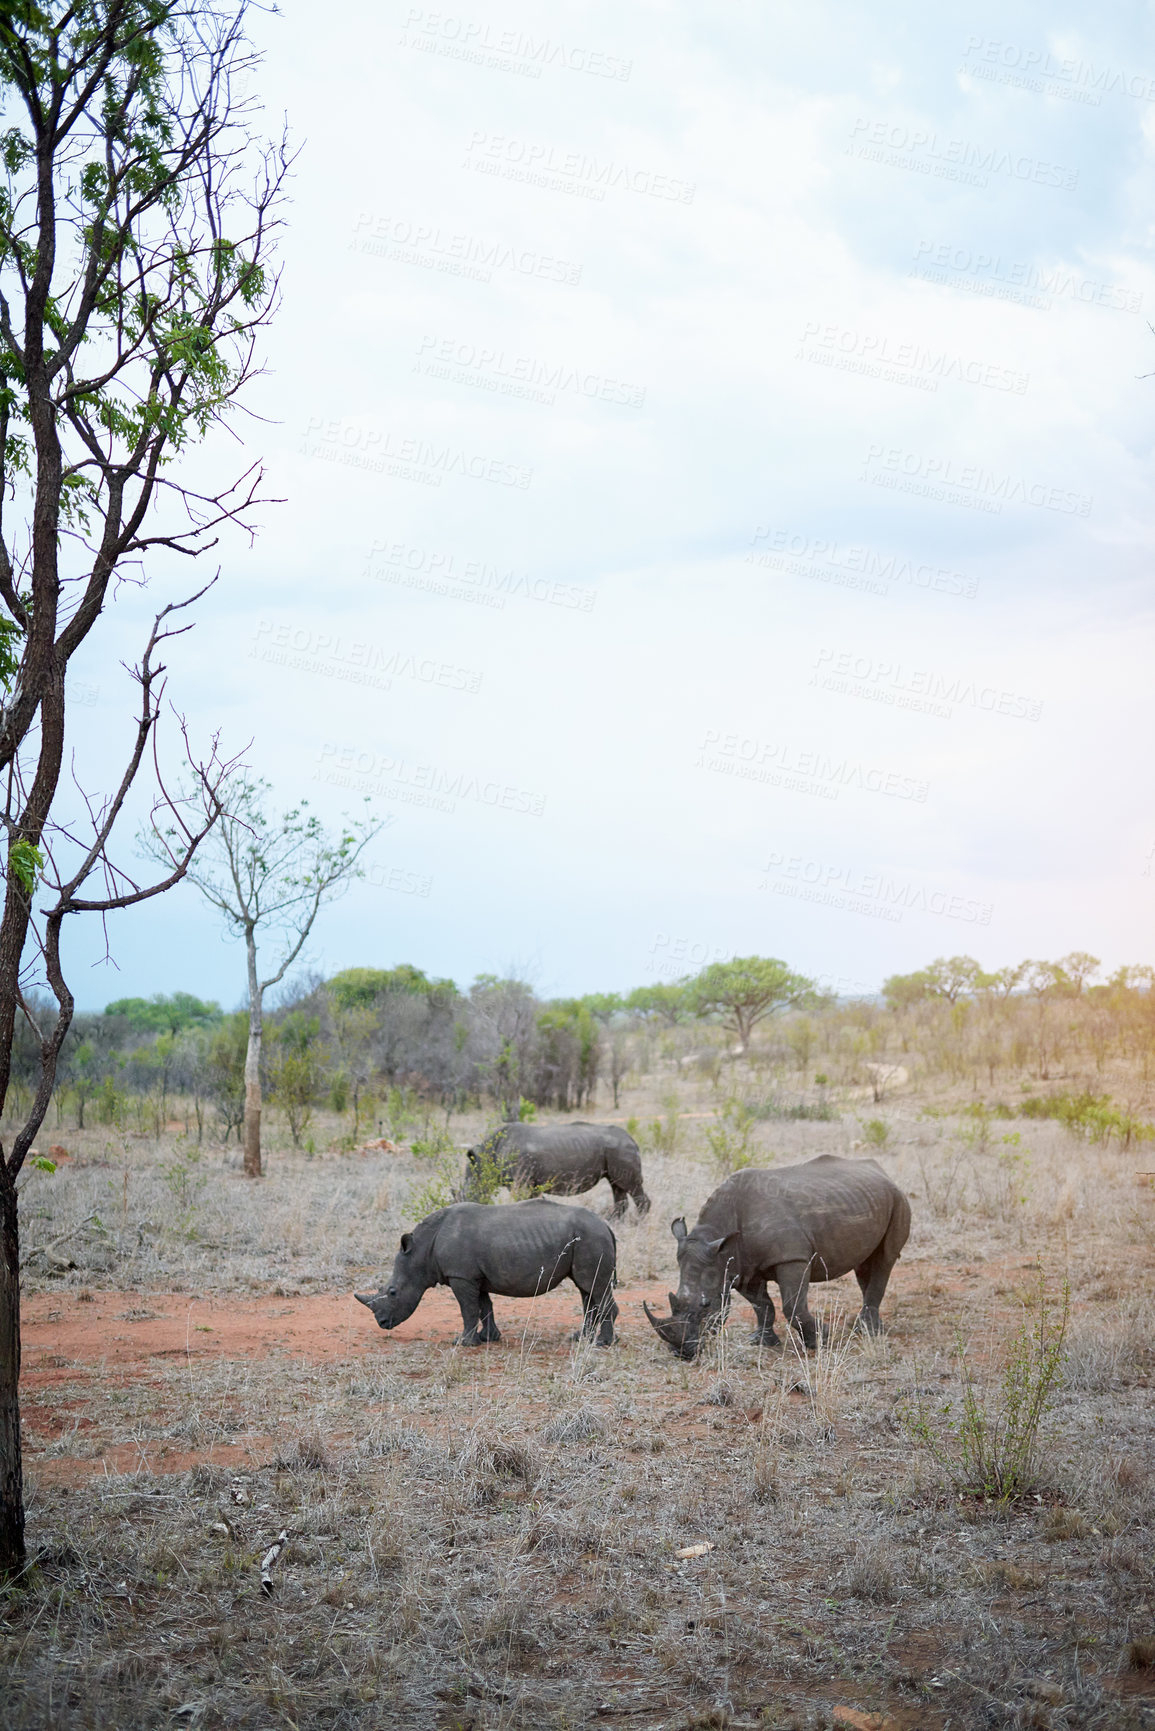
{"x": 872, "y": 1277}
{"x": 794, "y": 1285}
{"x": 757, "y": 1293}
{"x": 641, "y": 1201}
{"x": 488, "y": 1330}
{"x": 474, "y": 1320}
{"x": 621, "y": 1202}
{"x": 600, "y": 1310}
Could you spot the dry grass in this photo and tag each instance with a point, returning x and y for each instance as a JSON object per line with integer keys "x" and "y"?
{"x": 489, "y": 1538}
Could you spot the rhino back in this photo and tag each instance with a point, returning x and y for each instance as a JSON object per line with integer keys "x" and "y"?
{"x": 566, "y": 1156}
{"x": 516, "y": 1250}
{"x": 830, "y": 1211}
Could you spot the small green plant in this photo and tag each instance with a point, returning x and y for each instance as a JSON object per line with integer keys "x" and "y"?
{"x": 399, "y": 1111}
{"x": 526, "y": 1111}
{"x": 339, "y": 1092}
{"x": 821, "y": 1081}
{"x": 435, "y": 1143}
{"x": 633, "y": 1128}
{"x": 729, "y": 1138}
{"x": 658, "y": 1137}
{"x": 1089, "y": 1115}
{"x": 990, "y": 1448}
{"x": 185, "y": 1180}
{"x": 436, "y": 1193}
{"x": 821, "y": 1111}
{"x": 111, "y": 1103}
{"x": 876, "y": 1133}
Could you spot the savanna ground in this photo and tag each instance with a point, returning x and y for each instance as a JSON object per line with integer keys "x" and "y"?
{"x": 488, "y": 1538}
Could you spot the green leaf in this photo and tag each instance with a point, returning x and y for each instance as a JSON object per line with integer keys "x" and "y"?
{"x": 25, "y": 863}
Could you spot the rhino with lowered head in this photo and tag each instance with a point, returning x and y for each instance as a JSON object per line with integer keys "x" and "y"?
{"x": 800, "y": 1223}
{"x": 516, "y": 1251}
{"x": 566, "y": 1159}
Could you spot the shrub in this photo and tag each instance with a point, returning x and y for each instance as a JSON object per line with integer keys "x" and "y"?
{"x": 876, "y": 1132}
{"x": 821, "y": 1111}
{"x": 1090, "y": 1115}
{"x": 990, "y": 1449}
{"x": 729, "y": 1138}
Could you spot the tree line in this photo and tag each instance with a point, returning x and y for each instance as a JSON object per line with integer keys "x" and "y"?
{"x": 357, "y": 1043}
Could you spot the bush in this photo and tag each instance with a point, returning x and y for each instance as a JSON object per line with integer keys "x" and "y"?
{"x": 876, "y": 1132}
{"x": 729, "y": 1139}
{"x": 990, "y": 1449}
{"x": 1090, "y": 1115}
{"x": 432, "y": 1145}
{"x": 822, "y": 1111}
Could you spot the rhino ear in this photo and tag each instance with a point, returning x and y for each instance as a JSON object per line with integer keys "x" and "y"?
{"x": 678, "y": 1228}
{"x": 406, "y": 1241}
{"x": 716, "y": 1244}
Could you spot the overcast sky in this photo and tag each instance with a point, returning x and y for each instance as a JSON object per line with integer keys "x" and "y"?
{"x": 717, "y": 477}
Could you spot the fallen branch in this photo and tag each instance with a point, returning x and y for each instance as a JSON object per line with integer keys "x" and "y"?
{"x": 269, "y": 1558}
{"x": 47, "y": 1249}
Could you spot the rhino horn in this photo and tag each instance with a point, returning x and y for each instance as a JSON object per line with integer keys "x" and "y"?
{"x": 673, "y": 1331}
{"x": 363, "y": 1299}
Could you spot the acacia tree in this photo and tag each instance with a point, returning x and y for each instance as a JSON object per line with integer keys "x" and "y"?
{"x": 744, "y": 991}
{"x": 269, "y": 878}
{"x": 137, "y": 212}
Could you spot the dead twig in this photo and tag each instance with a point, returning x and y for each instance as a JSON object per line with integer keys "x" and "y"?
{"x": 47, "y": 1249}
{"x": 269, "y": 1559}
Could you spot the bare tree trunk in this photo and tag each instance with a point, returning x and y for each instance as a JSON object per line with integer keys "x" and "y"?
{"x": 11, "y": 1471}
{"x": 253, "y": 1067}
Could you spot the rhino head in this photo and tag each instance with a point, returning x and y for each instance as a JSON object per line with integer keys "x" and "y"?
{"x": 707, "y": 1268}
{"x": 486, "y": 1164}
{"x": 401, "y": 1297}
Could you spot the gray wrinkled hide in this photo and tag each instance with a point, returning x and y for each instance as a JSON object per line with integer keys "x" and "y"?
{"x": 566, "y": 1159}
{"x": 515, "y": 1251}
{"x": 817, "y": 1221}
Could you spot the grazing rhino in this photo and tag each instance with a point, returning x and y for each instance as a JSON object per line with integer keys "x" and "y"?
{"x": 802, "y": 1223}
{"x": 516, "y": 1251}
{"x": 566, "y": 1159}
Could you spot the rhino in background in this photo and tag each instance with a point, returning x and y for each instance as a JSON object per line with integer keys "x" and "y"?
{"x": 800, "y": 1223}
{"x": 516, "y": 1251}
{"x": 565, "y": 1159}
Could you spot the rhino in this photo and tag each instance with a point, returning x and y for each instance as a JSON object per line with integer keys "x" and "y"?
{"x": 816, "y": 1221}
{"x": 516, "y": 1251}
{"x": 566, "y": 1159}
